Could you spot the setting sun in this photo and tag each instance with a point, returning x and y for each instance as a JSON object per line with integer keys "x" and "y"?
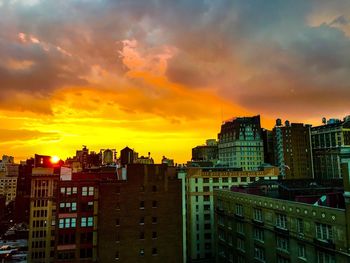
{"x": 55, "y": 159}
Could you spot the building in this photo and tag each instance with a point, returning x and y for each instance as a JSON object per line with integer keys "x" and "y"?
{"x": 8, "y": 178}
{"x": 22, "y": 201}
{"x": 269, "y": 149}
{"x": 140, "y": 218}
{"x": 77, "y": 217}
{"x": 43, "y": 207}
{"x": 293, "y": 151}
{"x": 241, "y": 144}
{"x": 206, "y": 153}
{"x": 331, "y": 145}
{"x": 286, "y": 221}
{"x": 198, "y": 186}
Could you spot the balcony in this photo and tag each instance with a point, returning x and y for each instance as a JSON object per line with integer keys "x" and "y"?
{"x": 257, "y": 222}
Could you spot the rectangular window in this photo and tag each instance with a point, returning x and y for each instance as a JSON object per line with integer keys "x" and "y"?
{"x": 240, "y": 244}
{"x": 258, "y": 214}
{"x": 324, "y": 232}
{"x": 282, "y": 243}
{"x": 91, "y": 190}
{"x": 281, "y": 221}
{"x": 259, "y": 234}
{"x": 83, "y": 222}
{"x": 259, "y": 254}
{"x": 300, "y": 225}
{"x": 84, "y": 191}
{"x": 240, "y": 227}
{"x": 74, "y": 190}
{"x": 239, "y": 209}
{"x": 90, "y": 221}
{"x": 324, "y": 257}
{"x": 301, "y": 251}
{"x": 142, "y": 204}
{"x": 61, "y": 223}
{"x": 282, "y": 260}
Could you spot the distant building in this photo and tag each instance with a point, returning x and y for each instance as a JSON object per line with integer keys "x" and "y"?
{"x": 241, "y": 143}
{"x": 8, "y": 178}
{"x": 197, "y": 197}
{"x": 293, "y": 151}
{"x": 206, "y": 153}
{"x": 126, "y": 156}
{"x": 331, "y": 145}
{"x": 291, "y": 221}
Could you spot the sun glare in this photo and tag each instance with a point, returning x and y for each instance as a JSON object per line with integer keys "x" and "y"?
{"x": 55, "y": 159}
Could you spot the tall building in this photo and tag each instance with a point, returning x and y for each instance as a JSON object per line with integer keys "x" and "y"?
{"x": 306, "y": 222}
{"x": 43, "y": 214}
{"x": 293, "y": 151}
{"x": 207, "y": 152}
{"x": 198, "y": 186}
{"x": 330, "y": 144}
{"x": 140, "y": 219}
{"x": 241, "y": 143}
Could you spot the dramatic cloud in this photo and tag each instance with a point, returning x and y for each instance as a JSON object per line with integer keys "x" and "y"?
{"x": 166, "y": 69}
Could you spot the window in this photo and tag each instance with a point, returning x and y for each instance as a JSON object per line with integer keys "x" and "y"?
{"x": 142, "y": 252}
{"x": 154, "y": 188}
{"x": 142, "y": 204}
{"x": 259, "y": 234}
{"x": 239, "y": 209}
{"x": 206, "y": 189}
{"x": 240, "y": 227}
{"x": 90, "y": 221}
{"x": 243, "y": 179}
{"x": 281, "y": 221}
{"x": 154, "y": 220}
{"x": 240, "y": 244}
{"x": 67, "y": 222}
{"x": 83, "y": 222}
{"x": 282, "y": 243}
{"x": 154, "y": 252}
{"x": 75, "y": 190}
{"x": 91, "y": 190}
{"x": 324, "y": 257}
{"x": 324, "y": 232}
{"x": 300, "y": 226}
{"x": 258, "y": 214}
{"x": 259, "y": 254}
{"x": 301, "y": 251}
{"x": 154, "y": 204}
{"x": 154, "y": 235}
{"x": 142, "y": 221}
{"x": 117, "y": 255}
{"x": 142, "y": 235}
{"x": 84, "y": 191}
{"x": 117, "y": 222}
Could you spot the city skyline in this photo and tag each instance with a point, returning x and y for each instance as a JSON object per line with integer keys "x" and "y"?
{"x": 161, "y": 77}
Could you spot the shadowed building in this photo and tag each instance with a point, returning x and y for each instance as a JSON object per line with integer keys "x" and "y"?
{"x": 283, "y": 221}
{"x": 293, "y": 150}
{"x": 330, "y": 145}
{"x": 140, "y": 218}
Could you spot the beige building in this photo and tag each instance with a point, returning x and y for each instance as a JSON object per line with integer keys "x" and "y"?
{"x": 198, "y": 204}
{"x": 255, "y": 228}
{"x": 42, "y": 214}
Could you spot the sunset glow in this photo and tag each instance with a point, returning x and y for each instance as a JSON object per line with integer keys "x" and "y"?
{"x": 162, "y": 77}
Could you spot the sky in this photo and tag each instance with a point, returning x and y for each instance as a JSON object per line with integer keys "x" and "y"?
{"x": 160, "y": 76}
